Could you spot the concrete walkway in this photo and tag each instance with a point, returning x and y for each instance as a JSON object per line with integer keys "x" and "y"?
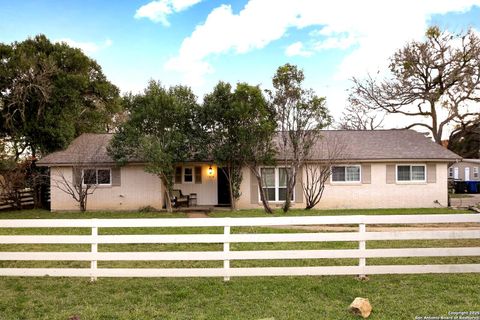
{"x": 472, "y": 201}
{"x": 197, "y": 215}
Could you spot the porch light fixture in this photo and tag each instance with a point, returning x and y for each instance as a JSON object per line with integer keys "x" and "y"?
{"x": 210, "y": 171}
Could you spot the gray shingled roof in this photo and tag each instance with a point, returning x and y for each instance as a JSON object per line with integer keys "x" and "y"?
{"x": 355, "y": 145}
{"x": 382, "y": 145}
{"x": 87, "y": 148}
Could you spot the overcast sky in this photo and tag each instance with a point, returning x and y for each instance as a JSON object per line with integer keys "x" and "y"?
{"x": 198, "y": 43}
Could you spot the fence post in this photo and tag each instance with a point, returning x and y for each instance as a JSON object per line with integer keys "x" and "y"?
{"x": 226, "y": 250}
{"x": 94, "y": 249}
{"x": 362, "y": 261}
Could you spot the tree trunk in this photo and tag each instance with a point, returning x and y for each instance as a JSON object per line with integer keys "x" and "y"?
{"x": 233, "y": 204}
{"x": 168, "y": 194}
{"x": 288, "y": 203}
{"x": 83, "y": 203}
{"x": 290, "y": 189}
{"x": 168, "y": 201}
{"x": 228, "y": 171}
{"x": 265, "y": 203}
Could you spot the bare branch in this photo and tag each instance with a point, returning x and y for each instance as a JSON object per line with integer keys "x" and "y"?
{"x": 316, "y": 175}
{"x": 441, "y": 73}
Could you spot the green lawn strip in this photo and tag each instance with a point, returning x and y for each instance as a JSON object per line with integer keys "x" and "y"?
{"x": 392, "y": 297}
{"x": 44, "y": 214}
{"x": 301, "y": 212}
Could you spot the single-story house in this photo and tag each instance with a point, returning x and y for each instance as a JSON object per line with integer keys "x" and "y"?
{"x": 466, "y": 170}
{"x": 376, "y": 169}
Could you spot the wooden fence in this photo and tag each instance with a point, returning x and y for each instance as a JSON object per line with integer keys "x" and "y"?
{"x": 25, "y": 197}
{"x": 227, "y": 237}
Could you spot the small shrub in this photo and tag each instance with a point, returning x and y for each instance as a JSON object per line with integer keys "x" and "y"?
{"x": 147, "y": 209}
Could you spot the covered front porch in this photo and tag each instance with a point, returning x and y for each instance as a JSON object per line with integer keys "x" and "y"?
{"x": 199, "y": 186}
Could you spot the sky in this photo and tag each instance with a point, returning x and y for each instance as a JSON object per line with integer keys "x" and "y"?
{"x": 201, "y": 42}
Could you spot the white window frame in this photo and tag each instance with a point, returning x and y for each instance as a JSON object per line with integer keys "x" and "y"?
{"x": 183, "y": 175}
{"x": 475, "y": 172}
{"x": 456, "y": 173}
{"x": 410, "y": 181}
{"x": 277, "y": 185}
{"x": 346, "y": 182}
{"x": 96, "y": 176}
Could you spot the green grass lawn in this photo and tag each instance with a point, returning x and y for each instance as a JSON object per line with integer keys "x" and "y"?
{"x": 392, "y": 296}
{"x": 44, "y": 214}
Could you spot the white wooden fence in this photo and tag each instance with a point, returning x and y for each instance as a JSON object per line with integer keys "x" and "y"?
{"x": 227, "y": 255}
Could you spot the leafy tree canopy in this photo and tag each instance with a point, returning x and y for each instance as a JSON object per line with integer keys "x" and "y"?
{"x": 233, "y": 122}
{"x": 465, "y": 141}
{"x": 300, "y": 114}
{"x": 160, "y": 131}
{"x": 49, "y": 94}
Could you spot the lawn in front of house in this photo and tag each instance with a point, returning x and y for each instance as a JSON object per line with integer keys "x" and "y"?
{"x": 44, "y": 214}
{"x": 392, "y": 296}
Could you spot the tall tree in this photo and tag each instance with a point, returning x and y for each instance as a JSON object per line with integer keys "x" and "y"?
{"x": 49, "y": 94}
{"x": 159, "y": 131}
{"x": 232, "y": 121}
{"x": 437, "y": 80}
{"x": 222, "y": 123}
{"x": 257, "y": 132}
{"x": 301, "y": 114}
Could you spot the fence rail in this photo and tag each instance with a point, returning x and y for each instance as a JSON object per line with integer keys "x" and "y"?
{"x": 24, "y": 196}
{"x": 227, "y": 237}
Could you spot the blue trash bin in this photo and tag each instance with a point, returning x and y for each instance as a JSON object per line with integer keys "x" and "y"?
{"x": 472, "y": 186}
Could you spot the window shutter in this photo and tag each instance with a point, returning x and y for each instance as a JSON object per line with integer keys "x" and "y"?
{"x": 76, "y": 176}
{"x": 366, "y": 173}
{"x": 253, "y": 188}
{"x": 390, "y": 173}
{"x": 198, "y": 174}
{"x": 298, "y": 187}
{"x": 116, "y": 177}
{"x": 431, "y": 173}
{"x": 178, "y": 175}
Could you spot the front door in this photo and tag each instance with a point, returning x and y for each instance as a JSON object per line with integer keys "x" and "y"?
{"x": 467, "y": 174}
{"x": 223, "y": 188}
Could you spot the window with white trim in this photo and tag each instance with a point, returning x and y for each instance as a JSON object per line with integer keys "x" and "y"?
{"x": 187, "y": 174}
{"x": 475, "y": 172}
{"x": 100, "y": 176}
{"x": 346, "y": 173}
{"x": 411, "y": 173}
{"x": 274, "y": 182}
